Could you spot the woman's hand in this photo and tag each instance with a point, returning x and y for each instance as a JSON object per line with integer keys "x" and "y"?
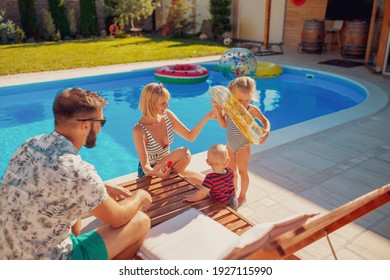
{"x": 212, "y": 114}
{"x": 216, "y": 106}
{"x": 163, "y": 169}
{"x": 117, "y": 193}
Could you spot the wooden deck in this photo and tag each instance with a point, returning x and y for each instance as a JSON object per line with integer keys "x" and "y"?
{"x": 168, "y": 202}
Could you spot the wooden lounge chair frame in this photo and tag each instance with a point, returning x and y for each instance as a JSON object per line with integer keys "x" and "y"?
{"x": 168, "y": 202}
{"x": 292, "y": 241}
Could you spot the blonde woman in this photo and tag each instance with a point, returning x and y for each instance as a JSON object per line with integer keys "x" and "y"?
{"x": 154, "y": 133}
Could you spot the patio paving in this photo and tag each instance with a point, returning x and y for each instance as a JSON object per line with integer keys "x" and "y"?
{"x": 314, "y": 167}
{"x": 322, "y": 171}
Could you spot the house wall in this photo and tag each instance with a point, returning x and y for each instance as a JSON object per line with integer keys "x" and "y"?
{"x": 296, "y": 16}
{"x": 385, "y": 29}
{"x": 11, "y": 9}
{"x": 249, "y": 20}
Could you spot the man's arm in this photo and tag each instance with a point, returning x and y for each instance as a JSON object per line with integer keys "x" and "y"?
{"x": 117, "y": 214}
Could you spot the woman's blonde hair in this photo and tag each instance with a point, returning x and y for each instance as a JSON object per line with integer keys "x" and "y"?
{"x": 150, "y": 95}
{"x": 243, "y": 84}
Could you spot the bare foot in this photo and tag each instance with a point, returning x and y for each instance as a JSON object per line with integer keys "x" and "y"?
{"x": 241, "y": 201}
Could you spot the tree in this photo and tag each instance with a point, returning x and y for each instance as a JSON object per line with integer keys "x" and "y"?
{"x": 126, "y": 11}
{"x": 88, "y": 18}
{"x": 28, "y": 18}
{"x": 57, "y": 10}
{"x": 180, "y": 21}
{"x": 220, "y": 16}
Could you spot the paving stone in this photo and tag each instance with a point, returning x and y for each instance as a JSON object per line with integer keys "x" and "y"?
{"x": 371, "y": 246}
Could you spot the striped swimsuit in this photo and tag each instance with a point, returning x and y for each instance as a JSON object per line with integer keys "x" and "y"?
{"x": 153, "y": 148}
{"x": 235, "y": 139}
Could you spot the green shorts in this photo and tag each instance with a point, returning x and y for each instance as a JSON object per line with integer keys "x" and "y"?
{"x": 88, "y": 246}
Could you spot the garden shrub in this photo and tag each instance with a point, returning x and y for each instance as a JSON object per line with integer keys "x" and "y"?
{"x": 57, "y": 10}
{"x": 88, "y": 18}
{"x": 49, "y": 29}
{"x": 121, "y": 34}
{"x": 28, "y": 18}
{"x": 9, "y": 32}
{"x": 220, "y": 17}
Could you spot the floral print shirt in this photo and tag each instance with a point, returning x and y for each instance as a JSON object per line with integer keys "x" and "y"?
{"x": 45, "y": 188}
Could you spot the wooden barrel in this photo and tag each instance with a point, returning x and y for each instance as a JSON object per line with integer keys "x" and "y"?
{"x": 354, "y": 38}
{"x": 313, "y": 35}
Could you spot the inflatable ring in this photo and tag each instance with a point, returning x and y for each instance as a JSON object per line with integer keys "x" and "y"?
{"x": 113, "y": 29}
{"x": 182, "y": 74}
{"x": 238, "y": 113}
{"x": 298, "y": 2}
{"x": 267, "y": 70}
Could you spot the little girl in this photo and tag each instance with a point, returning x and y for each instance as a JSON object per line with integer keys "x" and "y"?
{"x": 243, "y": 89}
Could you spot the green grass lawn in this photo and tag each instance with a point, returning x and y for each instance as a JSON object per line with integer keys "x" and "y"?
{"x": 36, "y": 57}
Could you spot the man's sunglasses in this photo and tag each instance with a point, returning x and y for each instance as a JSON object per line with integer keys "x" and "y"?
{"x": 102, "y": 121}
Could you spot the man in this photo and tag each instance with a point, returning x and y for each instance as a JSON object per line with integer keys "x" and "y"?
{"x": 47, "y": 186}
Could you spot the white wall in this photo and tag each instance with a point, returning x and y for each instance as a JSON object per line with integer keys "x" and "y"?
{"x": 202, "y": 13}
{"x": 251, "y": 20}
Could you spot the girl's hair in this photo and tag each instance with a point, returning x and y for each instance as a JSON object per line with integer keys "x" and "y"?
{"x": 76, "y": 102}
{"x": 150, "y": 95}
{"x": 244, "y": 85}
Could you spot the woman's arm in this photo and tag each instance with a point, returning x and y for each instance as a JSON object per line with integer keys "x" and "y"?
{"x": 183, "y": 131}
{"x": 139, "y": 137}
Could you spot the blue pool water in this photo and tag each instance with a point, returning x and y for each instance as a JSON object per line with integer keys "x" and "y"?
{"x": 293, "y": 97}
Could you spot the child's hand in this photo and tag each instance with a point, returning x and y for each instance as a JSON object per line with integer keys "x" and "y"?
{"x": 189, "y": 198}
{"x": 264, "y": 136}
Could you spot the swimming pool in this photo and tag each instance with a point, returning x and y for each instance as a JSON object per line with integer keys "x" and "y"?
{"x": 294, "y": 97}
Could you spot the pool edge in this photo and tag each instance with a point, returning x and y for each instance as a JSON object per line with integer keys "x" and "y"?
{"x": 377, "y": 99}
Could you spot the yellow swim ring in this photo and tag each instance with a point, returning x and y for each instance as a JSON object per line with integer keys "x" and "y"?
{"x": 267, "y": 70}
{"x": 238, "y": 113}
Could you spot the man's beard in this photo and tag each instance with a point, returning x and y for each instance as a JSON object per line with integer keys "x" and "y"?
{"x": 91, "y": 139}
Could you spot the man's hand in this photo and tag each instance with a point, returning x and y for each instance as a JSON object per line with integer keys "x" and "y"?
{"x": 146, "y": 199}
{"x": 117, "y": 193}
